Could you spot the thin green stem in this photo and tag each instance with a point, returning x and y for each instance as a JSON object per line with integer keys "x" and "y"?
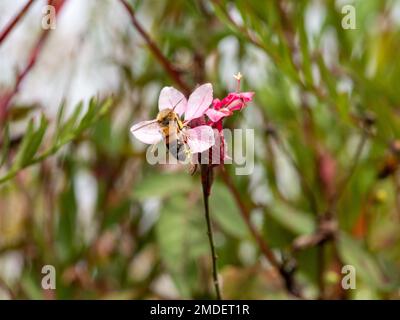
{"x": 206, "y": 172}
{"x": 354, "y": 164}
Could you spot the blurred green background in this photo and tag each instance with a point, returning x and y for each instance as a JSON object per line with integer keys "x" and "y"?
{"x": 77, "y": 193}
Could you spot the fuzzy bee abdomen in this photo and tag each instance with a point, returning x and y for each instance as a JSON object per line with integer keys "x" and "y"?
{"x": 177, "y": 148}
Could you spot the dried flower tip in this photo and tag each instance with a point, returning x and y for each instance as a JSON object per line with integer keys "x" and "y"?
{"x": 238, "y": 76}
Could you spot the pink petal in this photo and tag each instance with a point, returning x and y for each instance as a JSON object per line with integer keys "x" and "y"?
{"x": 200, "y": 138}
{"x": 229, "y": 99}
{"x": 234, "y": 100}
{"x": 199, "y": 101}
{"x": 216, "y": 115}
{"x": 236, "y": 105}
{"x": 239, "y": 100}
{"x": 217, "y": 104}
{"x": 247, "y": 96}
{"x": 147, "y": 132}
{"x": 171, "y": 98}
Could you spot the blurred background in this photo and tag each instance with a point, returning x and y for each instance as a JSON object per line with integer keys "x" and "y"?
{"x": 77, "y": 193}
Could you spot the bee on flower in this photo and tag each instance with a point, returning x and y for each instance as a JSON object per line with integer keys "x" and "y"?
{"x": 172, "y": 124}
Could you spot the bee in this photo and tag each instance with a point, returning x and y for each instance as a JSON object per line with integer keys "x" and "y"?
{"x": 181, "y": 141}
{"x": 172, "y": 129}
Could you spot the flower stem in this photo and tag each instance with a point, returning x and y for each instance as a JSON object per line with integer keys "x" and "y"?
{"x": 10, "y": 26}
{"x": 206, "y": 181}
{"x": 287, "y": 276}
{"x": 5, "y": 101}
{"x": 169, "y": 68}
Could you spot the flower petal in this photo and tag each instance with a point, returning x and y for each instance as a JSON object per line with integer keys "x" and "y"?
{"x": 216, "y": 115}
{"x": 199, "y": 101}
{"x": 171, "y": 98}
{"x": 147, "y": 132}
{"x": 200, "y": 138}
{"x": 219, "y": 151}
{"x": 236, "y": 105}
{"x": 237, "y": 101}
{"x": 217, "y": 104}
{"x": 247, "y": 96}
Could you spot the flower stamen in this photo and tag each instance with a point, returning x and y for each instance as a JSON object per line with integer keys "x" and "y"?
{"x": 238, "y": 77}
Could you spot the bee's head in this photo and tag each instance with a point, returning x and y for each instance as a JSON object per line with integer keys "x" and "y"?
{"x": 165, "y": 116}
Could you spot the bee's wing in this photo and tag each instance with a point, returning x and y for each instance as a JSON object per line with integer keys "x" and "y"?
{"x": 171, "y": 98}
{"x": 200, "y": 138}
{"x": 147, "y": 132}
{"x": 199, "y": 101}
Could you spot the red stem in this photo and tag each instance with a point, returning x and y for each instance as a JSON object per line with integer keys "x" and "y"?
{"x": 10, "y": 26}
{"x": 286, "y": 276}
{"x": 174, "y": 74}
{"x": 6, "y": 98}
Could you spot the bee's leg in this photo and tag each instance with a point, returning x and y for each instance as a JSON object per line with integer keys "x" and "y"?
{"x": 188, "y": 152}
{"x": 183, "y": 150}
{"x": 189, "y": 155}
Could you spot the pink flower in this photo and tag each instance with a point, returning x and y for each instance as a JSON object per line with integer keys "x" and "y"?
{"x": 225, "y": 107}
{"x": 221, "y": 109}
{"x": 199, "y": 138}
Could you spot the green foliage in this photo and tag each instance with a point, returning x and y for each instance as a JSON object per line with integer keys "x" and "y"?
{"x": 116, "y": 227}
{"x": 226, "y": 213}
{"x": 163, "y": 185}
{"x": 297, "y": 222}
{"x": 67, "y": 226}
{"x": 182, "y": 240}
{"x": 28, "y": 153}
{"x": 366, "y": 264}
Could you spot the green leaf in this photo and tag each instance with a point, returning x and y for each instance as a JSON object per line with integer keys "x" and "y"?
{"x": 88, "y": 116}
{"x": 108, "y": 141}
{"x": 294, "y": 220}
{"x": 30, "y": 144}
{"x": 367, "y": 267}
{"x": 308, "y": 263}
{"x": 66, "y": 229}
{"x": 276, "y": 235}
{"x": 64, "y": 134}
{"x": 66, "y": 130}
{"x": 31, "y": 286}
{"x": 5, "y": 144}
{"x": 181, "y": 236}
{"x": 93, "y": 113}
{"x": 162, "y": 185}
{"x": 60, "y": 115}
{"x": 226, "y": 213}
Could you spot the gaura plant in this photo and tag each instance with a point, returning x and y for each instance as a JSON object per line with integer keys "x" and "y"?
{"x": 193, "y": 127}
{"x": 182, "y": 140}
